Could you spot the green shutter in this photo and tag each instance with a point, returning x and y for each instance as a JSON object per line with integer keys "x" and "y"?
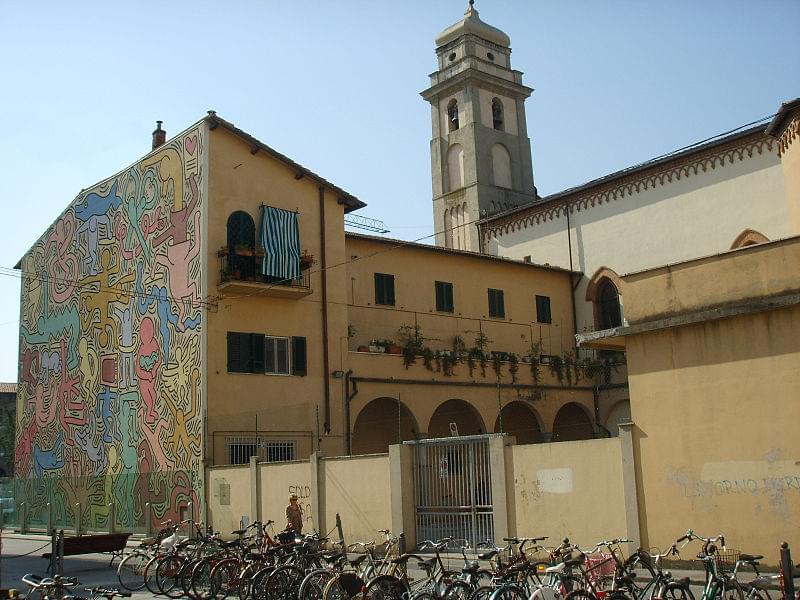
{"x": 299, "y": 357}
{"x": 257, "y": 343}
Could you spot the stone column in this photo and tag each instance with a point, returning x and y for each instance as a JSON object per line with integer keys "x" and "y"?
{"x": 255, "y": 490}
{"x": 317, "y": 506}
{"x": 401, "y": 484}
{"x": 497, "y": 460}
{"x": 629, "y": 485}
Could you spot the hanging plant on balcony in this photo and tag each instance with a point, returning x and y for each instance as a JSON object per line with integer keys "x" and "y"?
{"x": 471, "y": 356}
{"x": 497, "y": 364}
{"x": 306, "y": 260}
{"x": 427, "y": 358}
{"x": 437, "y": 358}
{"x": 557, "y": 368}
{"x": 533, "y": 355}
{"x": 447, "y": 364}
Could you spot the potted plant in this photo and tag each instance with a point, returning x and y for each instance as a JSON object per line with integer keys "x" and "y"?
{"x": 375, "y": 346}
{"x": 393, "y": 348}
{"x": 306, "y": 260}
{"x": 222, "y": 252}
{"x": 362, "y": 348}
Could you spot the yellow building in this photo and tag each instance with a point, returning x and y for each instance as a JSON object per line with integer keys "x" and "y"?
{"x": 713, "y": 347}
{"x": 205, "y": 304}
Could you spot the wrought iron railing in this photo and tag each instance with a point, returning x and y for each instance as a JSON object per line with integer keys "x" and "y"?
{"x": 245, "y": 265}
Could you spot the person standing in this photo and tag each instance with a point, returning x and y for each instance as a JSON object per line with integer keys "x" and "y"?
{"x": 294, "y": 515}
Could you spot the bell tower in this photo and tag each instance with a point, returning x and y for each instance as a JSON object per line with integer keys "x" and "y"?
{"x": 480, "y": 151}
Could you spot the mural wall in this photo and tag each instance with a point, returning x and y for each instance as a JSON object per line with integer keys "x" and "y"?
{"x": 110, "y": 334}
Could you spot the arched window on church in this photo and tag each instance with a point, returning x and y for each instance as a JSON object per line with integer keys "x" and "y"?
{"x": 501, "y": 166}
{"x": 497, "y": 114}
{"x": 448, "y": 228}
{"x": 241, "y": 244}
{"x": 452, "y": 115}
{"x": 608, "y": 307}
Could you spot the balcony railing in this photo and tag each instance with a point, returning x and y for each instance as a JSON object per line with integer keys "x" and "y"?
{"x": 239, "y": 272}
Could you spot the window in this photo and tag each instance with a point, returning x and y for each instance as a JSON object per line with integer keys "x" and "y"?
{"x": 444, "y": 296}
{"x": 497, "y": 307}
{"x": 276, "y": 355}
{"x": 497, "y": 114}
{"x": 245, "y": 352}
{"x": 452, "y": 115}
{"x": 257, "y": 353}
{"x": 384, "y": 289}
{"x": 241, "y": 448}
{"x": 543, "y": 309}
{"x": 241, "y": 243}
{"x": 610, "y": 314}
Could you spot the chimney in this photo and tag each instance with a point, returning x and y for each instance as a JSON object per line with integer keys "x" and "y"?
{"x": 159, "y": 135}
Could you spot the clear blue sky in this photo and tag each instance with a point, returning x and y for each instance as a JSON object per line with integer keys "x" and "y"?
{"x": 335, "y": 86}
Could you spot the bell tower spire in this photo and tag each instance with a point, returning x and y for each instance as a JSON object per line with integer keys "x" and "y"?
{"x": 480, "y": 151}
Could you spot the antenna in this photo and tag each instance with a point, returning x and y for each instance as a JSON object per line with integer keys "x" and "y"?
{"x": 365, "y": 223}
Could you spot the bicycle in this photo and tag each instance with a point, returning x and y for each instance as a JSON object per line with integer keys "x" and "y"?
{"x": 719, "y": 564}
{"x": 48, "y": 588}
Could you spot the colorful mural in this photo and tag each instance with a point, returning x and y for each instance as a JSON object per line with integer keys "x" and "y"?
{"x": 111, "y": 318}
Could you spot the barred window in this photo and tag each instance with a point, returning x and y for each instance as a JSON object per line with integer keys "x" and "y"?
{"x": 241, "y": 448}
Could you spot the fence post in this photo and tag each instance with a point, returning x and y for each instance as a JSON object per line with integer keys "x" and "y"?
{"x": 49, "y": 517}
{"x": 111, "y": 517}
{"x": 60, "y": 564}
{"x": 787, "y": 570}
{"x": 149, "y": 518}
{"x": 23, "y": 524}
{"x": 78, "y": 518}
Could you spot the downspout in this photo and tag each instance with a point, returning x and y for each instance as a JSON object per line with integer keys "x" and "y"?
{"x": 326, "y": 427}
{"x": 573, "y": 283}
{"x": 348, "y": 437}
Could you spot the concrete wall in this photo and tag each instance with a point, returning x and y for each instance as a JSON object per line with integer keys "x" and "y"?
{"x": 227, "y": 503}
{"x": 763, "y": 270}
{"x": 716, "y": 413}
{"x": 358, "y": 488}
{"x": 572, "y": 489}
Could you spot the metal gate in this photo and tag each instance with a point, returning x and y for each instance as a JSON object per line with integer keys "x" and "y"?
{"x": 453, "y": 489}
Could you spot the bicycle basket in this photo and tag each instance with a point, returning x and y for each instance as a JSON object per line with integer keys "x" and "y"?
{"x": 725, "y": 560}
{"x": 600, "y": 567}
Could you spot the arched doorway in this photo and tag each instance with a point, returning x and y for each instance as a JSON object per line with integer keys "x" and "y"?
{"x": 520, "y": 420}
{"x": 572, "y": 423}
{"x": 381, "y": 423}
{"x": 466, "y": 419}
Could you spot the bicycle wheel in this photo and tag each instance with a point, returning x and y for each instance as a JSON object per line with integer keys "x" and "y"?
{"x": 313, "y": 584}
{"x": 509, "y": 592}
{"x": 457, "y": 590}
{"x": 731, "y": 590}
{"x": 424, "y": 596}
{"x": 225, "y": 578}
{"x": 246, "y": 579}
{"x": 259, "y": 581}
{"x": 581, "y": 594}
{"x": 385, "y": 587}
{"x": 168, "y": 575}
{"x": 343, "y": 586}
{"x": 201, "y": 587}
{"x": 150, "y": 575}
{"x": 536, "y": 576}
{"x": 482, "y": 592}
{"x": 130, "y": 571}
{"x": 677, "y": 591}
{"x": 283, "y": 583}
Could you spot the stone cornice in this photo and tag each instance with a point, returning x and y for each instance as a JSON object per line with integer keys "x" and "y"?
{"x": 790, "y": 133}
{"x": 626, "y": 185}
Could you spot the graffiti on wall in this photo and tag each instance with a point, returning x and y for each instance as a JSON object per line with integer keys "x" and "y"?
{"x": 111, "y": 317}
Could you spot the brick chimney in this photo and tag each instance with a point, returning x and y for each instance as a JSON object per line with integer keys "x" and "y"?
{"x": 159, "y": 135}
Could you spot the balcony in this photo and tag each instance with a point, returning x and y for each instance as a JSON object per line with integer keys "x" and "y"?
{"x": 239, "y": 275}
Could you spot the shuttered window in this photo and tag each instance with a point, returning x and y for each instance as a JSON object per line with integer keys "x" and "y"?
{"x": 384, "y": 289}
{"x": 497, "y": 307}
{"x": 543, "y": 309}
{"x": 257, "y": 353}
{"x": 245, "y": 352}
{"x": 444, "y": 296}
{"x": 299, "y": 357}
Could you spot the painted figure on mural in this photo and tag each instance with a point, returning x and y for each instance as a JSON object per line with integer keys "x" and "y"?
{"x": 127, "y": 347}
{"x": 91, "y": 228}
{"x": 148, "y": 361}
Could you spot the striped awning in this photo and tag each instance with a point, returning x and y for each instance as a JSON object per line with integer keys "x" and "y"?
{"x": 280, "y": 240}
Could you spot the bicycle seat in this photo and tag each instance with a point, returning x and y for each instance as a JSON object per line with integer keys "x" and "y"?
{"x": 427, "y": 564}
{"x": 238, "y": 532}
{"x": 488, "y": 555}
{"x": 559, "y": 568}
{"x": 750, "y": 558}
{"x": 683, "y": 581}
{"x": 32, "y": 579}
{"x": 357, "y": 560}
{"x": 149, "y": 541}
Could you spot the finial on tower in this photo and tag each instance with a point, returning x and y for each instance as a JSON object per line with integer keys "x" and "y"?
{"x": 471, "y": 8}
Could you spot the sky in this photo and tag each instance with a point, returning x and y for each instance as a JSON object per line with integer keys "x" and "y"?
{"x": 335, "y": 86}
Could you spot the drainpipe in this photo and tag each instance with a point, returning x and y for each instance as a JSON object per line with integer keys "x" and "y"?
{"x": 573, "y": 283}
{"x": 348, "y": 437}
{"x": 324, "y": 277}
